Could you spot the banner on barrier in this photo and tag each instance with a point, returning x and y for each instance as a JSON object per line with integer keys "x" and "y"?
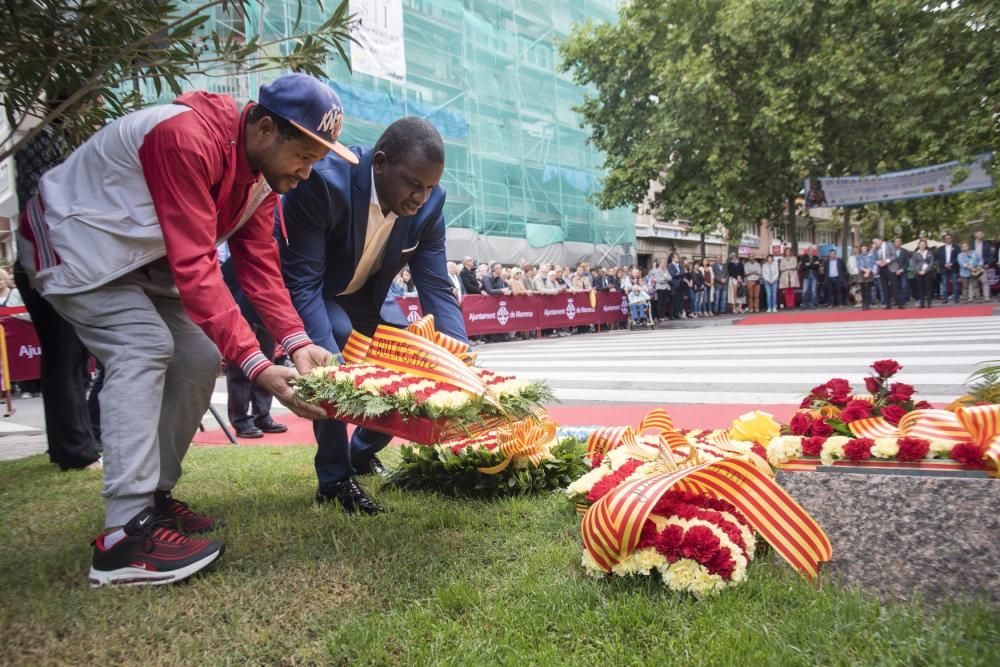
{"x": 499, "y": 314}
{"x": 24, "y": 352}
{"x": 484, "y": 315}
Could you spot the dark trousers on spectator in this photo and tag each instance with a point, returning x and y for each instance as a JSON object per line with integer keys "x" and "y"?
{"x": 866, "y": 294}
{"x": 662, "y": 303}
{"x": 244, "y": 394}
{"x": 677, "y": 302}
{"x": 890, "y": 288}
{"x": 925, "y": 288}
{"x": 71, "y": 439}
{"x": 834, "y": 291}
{"x": 950, "y": 285}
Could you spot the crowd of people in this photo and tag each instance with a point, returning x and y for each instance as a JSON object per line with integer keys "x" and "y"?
{"x": 881, "y": 273}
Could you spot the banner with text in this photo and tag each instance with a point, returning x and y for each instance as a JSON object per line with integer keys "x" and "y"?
{"x": 24, "y": 352}
{"x": 499, "y": 314}
{"x": 939, "y": 179}
{"x": 379, "y": 49}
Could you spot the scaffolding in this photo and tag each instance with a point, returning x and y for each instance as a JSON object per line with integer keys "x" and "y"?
{"x": 486, "y": 74}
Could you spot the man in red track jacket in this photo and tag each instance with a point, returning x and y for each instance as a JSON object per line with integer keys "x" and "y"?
{"x": 121, "y": 240}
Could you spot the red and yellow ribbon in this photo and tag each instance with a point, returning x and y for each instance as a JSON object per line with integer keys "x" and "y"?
{"x": 979, "y": 424}
{"x": 526, "y": 439}
{"x": 604, "y": 440}
{"x": 356, "y": 349}
{"x": 612, "y": 526}
{"x": 418, "y": 350}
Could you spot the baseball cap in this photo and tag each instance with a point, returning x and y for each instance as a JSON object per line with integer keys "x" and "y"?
{"x": 311, "y": 106}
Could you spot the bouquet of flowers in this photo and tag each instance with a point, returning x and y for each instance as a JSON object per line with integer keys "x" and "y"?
{"x": 699, "y": 545}
{"x": 418, "y": 384}
{"x": 831, "y": 407}
{"x": 688, "y": 504}
{"x": 885, "y": 428}
{"x": 512, "y": 459}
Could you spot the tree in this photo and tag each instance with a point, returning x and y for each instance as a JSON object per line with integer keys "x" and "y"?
{"x": 730, "y": 105}
{"x": 78, "y": 63}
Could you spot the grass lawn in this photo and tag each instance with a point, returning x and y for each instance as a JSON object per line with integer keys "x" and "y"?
{"x": 435, "y": 581}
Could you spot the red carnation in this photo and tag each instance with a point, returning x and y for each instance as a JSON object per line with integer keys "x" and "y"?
{"x": 893, "y": 413}
{"x": 806, "y": 402}
{"x": 800, "y": 423}
{"x": 922, "y": 405}
{"x": 912, "y": 449}
{"x": 722, "y": 564}
{"x": 886, "y": 368}
{"x": 969, "y": 454}
{"x": 839, "y": 386}
{"x": 606, "y": 484}
{"x": 901, "y": 389}
{"x": 597, "y": 460}
{"x": 648, "y": 536}
{"x": 813, "y": 446}
{"x": 821, "y": 429}
{"x": 820, "y": 392}
{"x": 873, "y": 384}
{"x": 855, "y": 410}
{"x": 668, "y": 542}
{"x": 457, "y": 449}
{"x": 858, "y": 449}
{"x": 840, "y": 399}
{"x": 699, "y": 544}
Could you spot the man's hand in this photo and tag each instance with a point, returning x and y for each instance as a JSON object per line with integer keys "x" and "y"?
{"x": 275, "y": 380}
{"x": 311, "y": 356}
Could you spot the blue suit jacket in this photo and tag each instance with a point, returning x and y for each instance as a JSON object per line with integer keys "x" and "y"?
{"x": 326, "y": 218}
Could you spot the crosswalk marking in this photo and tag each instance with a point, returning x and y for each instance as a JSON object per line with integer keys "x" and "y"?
{"x": 767, "y": 364}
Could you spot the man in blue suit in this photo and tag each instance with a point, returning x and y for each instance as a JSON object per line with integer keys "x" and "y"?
{"x": 350, "y": 229}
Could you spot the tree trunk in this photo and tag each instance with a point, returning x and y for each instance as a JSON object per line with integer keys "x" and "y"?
{"x": 846, "y": 232}
{"x": 793, "y": 232}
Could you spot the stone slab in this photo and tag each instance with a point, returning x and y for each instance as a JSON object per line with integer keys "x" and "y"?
{"x": 897, "y": 535}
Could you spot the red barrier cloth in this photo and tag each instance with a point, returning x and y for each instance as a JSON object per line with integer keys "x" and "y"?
{"x": 410, "y": 305}
{"x": 612, "y": 307}
{"x": 499, "y": 314}
{"x": 567, "y": 310}
{"x": 24, "y": 353}
{"x": 506, "y": 314}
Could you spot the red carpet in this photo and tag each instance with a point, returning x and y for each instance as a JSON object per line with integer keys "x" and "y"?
{"x": 858, "y": 315}
{"x": 605, "y": 414}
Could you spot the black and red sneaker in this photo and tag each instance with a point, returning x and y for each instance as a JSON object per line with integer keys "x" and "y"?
{"x": 151, "y": 553}
{"x": 185, "y": 519}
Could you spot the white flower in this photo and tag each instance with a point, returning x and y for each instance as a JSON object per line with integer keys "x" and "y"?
{"x": 885, "y": 448}
{"x": 833, "y": 449}
{"x": 582, "y": 486}
{"x": 448, "y": 400}
{"x": 783, "y": 448}
{"x": 590, "y": 565}
{"x": 618, "y": 457}
{"x": 940, "y": 448}
{"x": 640, "y": 561}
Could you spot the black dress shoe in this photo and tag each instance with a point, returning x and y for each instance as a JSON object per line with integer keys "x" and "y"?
{"x": 271, "y": 426}
{"x": 371, "y": 467}
{"x": 249, "y": 432}
{"x": 350, "y": 495}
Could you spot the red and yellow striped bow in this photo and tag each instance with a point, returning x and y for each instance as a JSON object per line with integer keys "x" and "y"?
{"x": 613, "y": 525}
{"x": 356, "y": 348}
{"x": 979, "y": 424}
{"x": 525, "y": 439}
{"x": 604, "y": 440}
{"x": 417, "y": 350}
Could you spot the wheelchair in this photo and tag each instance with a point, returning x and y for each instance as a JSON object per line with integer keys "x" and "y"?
{"x": 646, "y": 322}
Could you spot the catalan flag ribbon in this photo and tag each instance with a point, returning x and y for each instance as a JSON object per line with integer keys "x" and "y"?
{"x": 417, "y": 350}
{"x": 605, "y": 439}
{"x": 356, "y": 348}
{"x": 613, "y": 525}
{"x": 525, "y": 439}
{"x": 979, "y": 424}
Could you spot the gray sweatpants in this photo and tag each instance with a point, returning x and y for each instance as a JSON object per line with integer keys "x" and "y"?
{"x": 160, "y": 370}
